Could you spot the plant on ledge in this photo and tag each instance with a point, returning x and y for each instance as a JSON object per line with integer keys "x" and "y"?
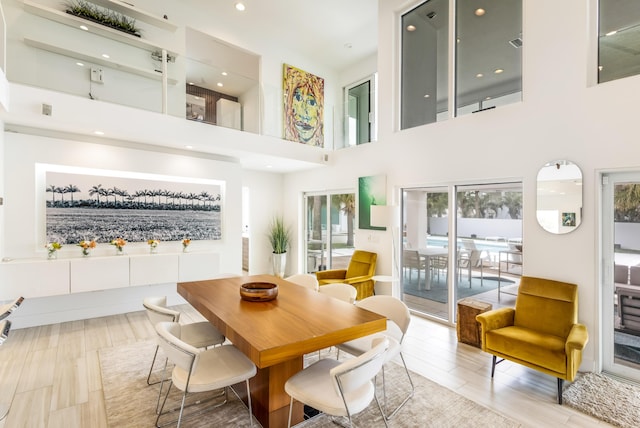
{"x": 102, "y": 16}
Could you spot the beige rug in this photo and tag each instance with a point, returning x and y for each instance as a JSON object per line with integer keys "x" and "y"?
{"x": 130, "y": 402}
{"x": 605, "y": 398}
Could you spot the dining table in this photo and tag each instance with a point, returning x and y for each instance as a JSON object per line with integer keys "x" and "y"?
{"x": 430, "y": 253}
{"x": 276, "y": 334}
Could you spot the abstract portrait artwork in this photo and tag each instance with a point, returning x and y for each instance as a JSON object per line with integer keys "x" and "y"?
{"x": 303, "y": 107}
{"x": 102, "y": 208}
{"x": 371, "y": 191}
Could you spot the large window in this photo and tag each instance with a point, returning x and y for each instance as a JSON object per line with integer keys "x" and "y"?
{"x": 619, "y": 29}
{"x": 487, "y": 41}
{"x": 360, "y": 112}
{"x": 488, "y": 54}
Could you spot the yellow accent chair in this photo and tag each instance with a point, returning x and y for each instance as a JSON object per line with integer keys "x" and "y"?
{"x": 359, "y": 273}
{"x": 542, "y": 331}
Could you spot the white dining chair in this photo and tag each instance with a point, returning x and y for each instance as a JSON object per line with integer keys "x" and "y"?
{"x": 198, "y": 334}
{"x": 398, "y": 319}
{"x": 340, "y": 291}
{"x": 201, "y": 370}
{"x": 8, "y": 308}
{"x": 304, "y": 279}
{"x": 339, "y": 388}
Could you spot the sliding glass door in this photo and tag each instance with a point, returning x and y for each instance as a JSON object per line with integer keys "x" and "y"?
{"x": 621, "y": 274}
{"x": 478, "y": 254}
{"x": 329, "y": 230}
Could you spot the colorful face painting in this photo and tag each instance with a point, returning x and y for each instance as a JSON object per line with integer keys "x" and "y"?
{"x": 303, "y": 107}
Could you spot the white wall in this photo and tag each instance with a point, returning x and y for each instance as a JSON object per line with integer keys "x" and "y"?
{"x": 561, "y": 117}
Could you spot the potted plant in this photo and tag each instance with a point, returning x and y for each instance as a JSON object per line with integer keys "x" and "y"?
{"x": 280, "y": 238}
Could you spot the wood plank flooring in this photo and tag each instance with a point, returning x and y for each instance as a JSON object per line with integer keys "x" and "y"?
{"x": 51, "y": 374}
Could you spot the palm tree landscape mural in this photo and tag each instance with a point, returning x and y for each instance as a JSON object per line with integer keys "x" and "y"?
{"x": 105, "y": 208}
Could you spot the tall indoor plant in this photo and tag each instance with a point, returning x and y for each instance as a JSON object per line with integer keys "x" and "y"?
{"x": 280, "y": 238}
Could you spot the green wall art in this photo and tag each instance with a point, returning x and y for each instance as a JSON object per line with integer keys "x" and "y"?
{"x": 372, "y": 190}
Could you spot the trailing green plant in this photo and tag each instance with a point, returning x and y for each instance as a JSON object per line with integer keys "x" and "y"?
{"x": 279, "y": 236}
{"x": 107, "y": 17}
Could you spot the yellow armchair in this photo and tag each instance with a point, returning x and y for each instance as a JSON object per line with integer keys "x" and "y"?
{"x": 542, "y": 331}
{"x": 362, "y": 267}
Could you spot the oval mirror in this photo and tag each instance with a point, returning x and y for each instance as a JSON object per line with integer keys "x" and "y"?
{"x": 559, "y": 185}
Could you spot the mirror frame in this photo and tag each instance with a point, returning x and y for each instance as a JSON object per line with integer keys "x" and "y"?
{"x": 559, "y": 197}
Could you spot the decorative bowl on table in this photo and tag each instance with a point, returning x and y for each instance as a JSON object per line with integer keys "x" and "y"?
{"x": 258, "y": 291}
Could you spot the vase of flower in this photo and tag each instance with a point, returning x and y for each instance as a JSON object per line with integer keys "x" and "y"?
{"x": 153, "y": 245}
{"x": 52, "y": 250}
{"x": 185, "y": 245}
{"x": 86, "y": 247}
{"x": 119, "y": 243}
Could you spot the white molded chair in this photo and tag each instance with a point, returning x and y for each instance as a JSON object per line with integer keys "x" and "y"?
{"x": 398, "y": 319}
{"x": 197, "y": 334}
{"x": 198, "y": 370}
{"x": 8, "y": 308}
{"x": 340, "y": 291}
{"x": 339, "y": 388}
{"x": 305, "y": 279}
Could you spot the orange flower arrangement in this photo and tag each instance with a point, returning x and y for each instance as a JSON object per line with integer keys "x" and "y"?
{"x": 185, "y": 243}
{"x": 87, "y": 246}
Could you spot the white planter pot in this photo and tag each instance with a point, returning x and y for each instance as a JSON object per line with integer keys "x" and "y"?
{"x": 279, "y": 263}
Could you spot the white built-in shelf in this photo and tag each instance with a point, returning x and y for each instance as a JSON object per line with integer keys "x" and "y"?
{"x": 134, "y": 12}
{"x": 101, "y": 30}
{"x": 151, "y": 74}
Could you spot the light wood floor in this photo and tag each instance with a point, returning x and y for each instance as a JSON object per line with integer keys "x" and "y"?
{"x": 51, "y": 374}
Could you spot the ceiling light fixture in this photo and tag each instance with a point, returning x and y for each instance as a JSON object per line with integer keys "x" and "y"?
{"x": 191, "y": 83}
{"x": 498, "y": 71}
{"x": 411, "y": 28}
{"x": 220, "y": 84}
{"x": 611, "y": 33}
{"x": 98, "y": 132}
{"x": 105, "y": 56}
{"x": 427, "y": 95}
{"x": 188, "y": 147}
{"x": 479, "y": 75}
{"x": 240, "y": 7}
{"x": 224, "y": 73}
{"x": 84, "y": 27}
{"x": 479, "y": 12}
{"x": 79, "y": 64}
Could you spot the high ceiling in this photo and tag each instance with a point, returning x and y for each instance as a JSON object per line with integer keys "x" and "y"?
{"x": 337, "y": 33}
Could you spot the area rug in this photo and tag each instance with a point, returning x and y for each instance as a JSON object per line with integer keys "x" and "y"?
{"x": 440, "y": 293}
{"x": 605, "y": 398}
{"x": 129, "y": 402}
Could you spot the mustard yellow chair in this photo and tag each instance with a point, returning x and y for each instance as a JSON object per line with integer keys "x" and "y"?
{"x": 541, "y": 332}
{"x": 362, "y": 267}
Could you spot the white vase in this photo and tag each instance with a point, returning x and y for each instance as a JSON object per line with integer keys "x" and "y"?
{"x": 279, "y": 264}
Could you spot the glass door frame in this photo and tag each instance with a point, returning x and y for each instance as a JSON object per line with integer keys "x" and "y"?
{"x": 326, "y": 256}
{"x": 606, "y": 254}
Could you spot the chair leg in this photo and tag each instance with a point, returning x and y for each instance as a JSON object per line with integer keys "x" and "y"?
{"x": 163, "y": 403}
{"x": 493, "y": 366}
{"x": 290, "y": 411}
{"x": 155, "y": 354}
{"x": 406, "y": 399}
{"x": 384, "y": 419}
{"x": 560, "y": 382}
{"x": 249, "y": 403}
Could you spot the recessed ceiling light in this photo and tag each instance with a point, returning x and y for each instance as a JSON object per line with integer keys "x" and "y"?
{"x": 269, "y": 166}
{"x": 427, "y": 95}
{"x": 191, "y": 83}
{"x": 479, "y": 75}
{"x": 220, "y": 84}
{"x": 411, "y": 28}
{"x": 98, "y": 132}
{"x": 240, "y": 7}
{"x": 188, "y": 147}
{"x": 105, "y": 56}
{"x": 611, "y": 33}
{"x": 498, "y": 70}
{"x": 84, "y": 27}
{"x": 79, "y": 64}
{"x": 600, "y": 68}
{"x": 487, "y": 98}
{"x": 480, "y": 12}
{"x": 224, "y": 73}
{"x": 457, "y": 40}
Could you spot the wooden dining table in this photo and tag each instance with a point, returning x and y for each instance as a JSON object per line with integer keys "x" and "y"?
{"x": 277, "y": 334}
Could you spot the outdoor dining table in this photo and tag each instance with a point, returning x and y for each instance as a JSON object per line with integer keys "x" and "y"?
{"x": 431, "y": 253}
{"x": 277, "y": 334}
